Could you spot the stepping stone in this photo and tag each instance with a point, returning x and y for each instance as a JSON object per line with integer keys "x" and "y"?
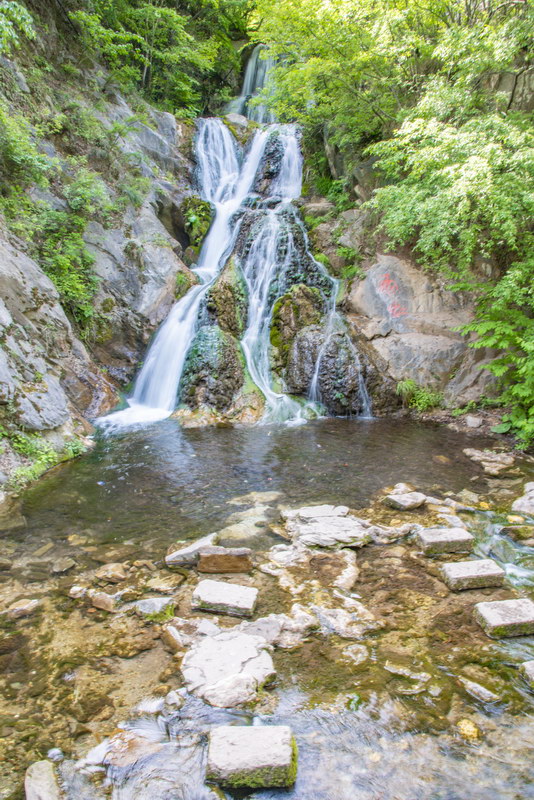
{"x": 506, "y": 617}
{"x": 406, "y": 501}
{"x": 472, "y": 574}
{"x": 154, "y": 605}
{"x": 444, "y": 540}
{"x": 225, "y": 598}
{"x": 224, "y": 559}
{"x": 256, "y": 757}
{"x": 527, "y": 671}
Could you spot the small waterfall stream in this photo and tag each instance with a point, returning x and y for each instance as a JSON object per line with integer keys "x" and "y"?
{"x": 255, "y": 225}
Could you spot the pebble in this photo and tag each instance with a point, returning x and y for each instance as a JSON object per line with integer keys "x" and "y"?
{"x": 63, "y": 565}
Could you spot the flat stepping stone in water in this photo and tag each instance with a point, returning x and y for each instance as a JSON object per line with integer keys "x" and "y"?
{"x": 527, "y": 671}
{"x": 472, "y": 574}
{"x": 225, "y": 598}
{"x": 444, "y": 540}
{"x": 506, "y": 617}
{"x": 256, "y": 757}
{"x": 224, "y": 559}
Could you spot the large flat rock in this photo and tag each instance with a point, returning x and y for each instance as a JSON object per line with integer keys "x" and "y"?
{"x": 476, "y": 574}
{"x": 252, "y": 757}
{"x": 326, "y": 526}
{"x": 506, "y": 617}
{"x": 224, "y": 559}
{"x": 227, "y": 670}
{"x": 225, "y": 598}
{"x": 444, "y": 540}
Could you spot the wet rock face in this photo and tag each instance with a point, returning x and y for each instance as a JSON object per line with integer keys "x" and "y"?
{"x": 340, "y": 377}
{"x": 227, "y": 300}
{"x": 271, "y": 164}
{"x": 299, "y": 308}
{"x": 214, "y": 371}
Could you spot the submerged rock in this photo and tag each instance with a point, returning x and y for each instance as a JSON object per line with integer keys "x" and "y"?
{"x": 228, "y": 669}
{"x": 492, "y": 463}
{"x": 22, "y": 608}
{"x": 111, "y": 573}
{"x": 262, "y": 756}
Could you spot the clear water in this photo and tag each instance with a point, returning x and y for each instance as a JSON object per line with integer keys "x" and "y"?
{"x": 138, "y": 492}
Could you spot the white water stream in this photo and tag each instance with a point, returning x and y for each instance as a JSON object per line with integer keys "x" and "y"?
{"x": 226, "y": 186}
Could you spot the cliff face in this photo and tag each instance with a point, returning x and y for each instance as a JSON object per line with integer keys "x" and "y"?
{"x": 57, "y": 371}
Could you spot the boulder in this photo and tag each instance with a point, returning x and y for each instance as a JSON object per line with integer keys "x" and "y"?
{"x": 492, "y": 463}
{"x": 525, "y": 504}
{"x": 214, "y": 370}
{"x": 225, "y": 598}
{"x": 40, "y": 782}
{"x": 228, "y": 669}
{"x": 405, "y": 502}
{"x": 260, "y": 756}
{"x": 224, "y": 559}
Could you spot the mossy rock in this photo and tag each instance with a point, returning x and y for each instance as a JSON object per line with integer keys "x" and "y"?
{"x": 227, "y": 300}
{"x": 299, "y": 308}
{"x": 197, "y": 215}
{"x": 214, "y": 371}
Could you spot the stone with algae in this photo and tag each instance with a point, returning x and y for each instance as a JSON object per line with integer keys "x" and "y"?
{"x": 501, "y": 618}
{"x": 262, "y": 756}
{"x": 477, "y": 574}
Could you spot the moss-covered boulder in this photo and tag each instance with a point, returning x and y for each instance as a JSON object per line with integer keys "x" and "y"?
{"x": 214, "y": 370}
{"x": 227, "y": 300}
{"x": 299, "y": 308}
{"x": 197, "y": 215}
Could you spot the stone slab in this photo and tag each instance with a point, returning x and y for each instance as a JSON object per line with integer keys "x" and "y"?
{"x": 253, "y": 757}
{"x": 225, "y": 598}
{"x": 188, "y": 556}
{"x": 444, "y": 540}
{"x": 224, "y": 559}
{"x": 476, "y": 574}
{"x": 506, "y": 617}
{"x": 527, "y": 671}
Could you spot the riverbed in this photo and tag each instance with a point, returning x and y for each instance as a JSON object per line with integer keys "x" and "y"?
{"x": 365, "y": 726}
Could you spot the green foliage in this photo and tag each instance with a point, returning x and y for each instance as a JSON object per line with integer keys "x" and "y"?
{"x": 432, "y": 93}
{"x": 198, "y": 215}
{"x": 39, "y": 452}
{"x": 161, "y": 616}
{"x": 415, "y": 396}
{"x": 173, "y": 51}
{"x": 14, "y": 21}
{"x": 20, "y": 161}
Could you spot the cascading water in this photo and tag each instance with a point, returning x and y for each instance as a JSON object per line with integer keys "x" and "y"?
{"x": 256, "y": 226}
{"x": 226, "y": 186}
{"x": 255, "y": 80}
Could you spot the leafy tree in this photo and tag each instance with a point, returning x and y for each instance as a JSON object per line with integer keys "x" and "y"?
{"x": 14, "y": 20}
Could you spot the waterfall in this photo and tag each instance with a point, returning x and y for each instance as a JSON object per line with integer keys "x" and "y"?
{"x": 256, "y": 73}
{"x": 256, "y": 225}
{"x": 225, "y": 185}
